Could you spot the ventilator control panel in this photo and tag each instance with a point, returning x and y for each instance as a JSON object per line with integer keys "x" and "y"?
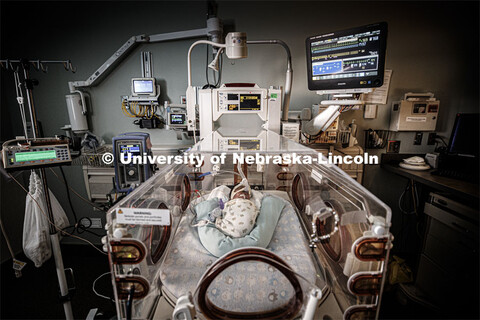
{"x": 238, "y": 102}
{"x": 239, "y": 144}
{"x": 21, "y": 157}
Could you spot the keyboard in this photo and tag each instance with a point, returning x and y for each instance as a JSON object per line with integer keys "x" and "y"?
{"x": 454, "y": 174}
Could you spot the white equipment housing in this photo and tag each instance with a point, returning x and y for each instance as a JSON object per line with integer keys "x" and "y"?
{"x": 214, "y": 103}
{"x": 263, "y": 141}
{"x": 416, "y": 112}
{"x": 75, "y": 107}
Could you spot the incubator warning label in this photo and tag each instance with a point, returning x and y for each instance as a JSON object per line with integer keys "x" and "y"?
{"x": 159, "y": 217}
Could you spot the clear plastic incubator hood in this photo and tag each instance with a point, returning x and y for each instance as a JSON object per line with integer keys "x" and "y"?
{"x": 318, "y": 248}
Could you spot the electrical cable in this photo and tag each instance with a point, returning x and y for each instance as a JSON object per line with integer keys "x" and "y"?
{"x": 220, "y": 69}
{"x": 127, "y": 112}
{"x": 414, "y": 197}
{"x": 78, "y": 226}
{"x": 410, "y": 187}
{"x": 206, "y": 70}
{"x": 214, "y": 78}
{"x": 68, "y": 194}
{"x": 95, "y": 291}
{"x": 144, "y": 112}
{"x": 129, "y": 306}
{"x": 443, "y": 141}
{"x": 311, "y": 139}
{"x": 7, "y": 240}
{"x": 77, "y": 194}
{"x": 51, "y": 222}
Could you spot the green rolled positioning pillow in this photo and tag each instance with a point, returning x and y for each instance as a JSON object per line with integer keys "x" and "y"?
{"x": 218, "y": 243}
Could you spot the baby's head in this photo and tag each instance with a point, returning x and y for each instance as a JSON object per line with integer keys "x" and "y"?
{"x": 241, "y": 195}
{"x": 240, "y": 192}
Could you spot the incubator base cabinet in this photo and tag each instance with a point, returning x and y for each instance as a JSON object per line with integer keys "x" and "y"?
{"x": 325, "y": 257}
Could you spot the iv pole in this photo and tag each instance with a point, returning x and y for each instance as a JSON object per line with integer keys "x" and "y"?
{"x": 55, "y": 242}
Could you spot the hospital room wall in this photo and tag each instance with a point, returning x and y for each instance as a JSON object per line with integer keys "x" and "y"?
{"x": 429, "y": 49}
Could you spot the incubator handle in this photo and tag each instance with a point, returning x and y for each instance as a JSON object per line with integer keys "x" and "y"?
{"x": 184, "y": 310}
{"x": 211, "y": 311}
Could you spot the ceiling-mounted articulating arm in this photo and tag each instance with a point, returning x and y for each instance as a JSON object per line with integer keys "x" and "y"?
{"x": 213, "y": 30}
{"x": 108, "y": 65}
{"x": 325, "y": 118}
{"x": 288, "y": 76}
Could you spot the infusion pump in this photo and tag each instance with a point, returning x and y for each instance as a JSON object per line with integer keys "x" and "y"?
{"x": 238, "y": 101}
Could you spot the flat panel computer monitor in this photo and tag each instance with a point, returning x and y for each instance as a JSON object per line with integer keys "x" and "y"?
{"x": 347, "y": 59}
{"x": 464, "y": 140}
{"x": 461, "y": 160}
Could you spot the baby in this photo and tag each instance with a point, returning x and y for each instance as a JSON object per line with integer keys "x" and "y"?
{"x": 236, "y": 215}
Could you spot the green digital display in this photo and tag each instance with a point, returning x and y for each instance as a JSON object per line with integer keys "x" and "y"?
{"x": 35, "y": 155}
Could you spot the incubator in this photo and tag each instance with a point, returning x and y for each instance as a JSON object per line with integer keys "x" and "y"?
{"x": 326, "y": 257}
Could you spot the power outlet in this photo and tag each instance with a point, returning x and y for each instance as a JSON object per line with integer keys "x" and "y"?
{"x": 418, "y": 138}
{"x": 393, "y": 146}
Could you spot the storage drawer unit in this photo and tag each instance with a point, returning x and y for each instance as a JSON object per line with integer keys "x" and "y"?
{"x": 448, "y": 271}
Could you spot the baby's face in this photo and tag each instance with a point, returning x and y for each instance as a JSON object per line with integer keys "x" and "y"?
{"x": 242, "y": 195}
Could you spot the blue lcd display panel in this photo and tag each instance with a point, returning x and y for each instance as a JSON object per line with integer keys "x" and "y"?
{"x": 327, "y": 67}
{"x": 134, "y": 149}
{"x": 177, "y": 118}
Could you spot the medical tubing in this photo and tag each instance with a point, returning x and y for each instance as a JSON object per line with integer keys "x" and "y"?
{"x": 82, "y": 98}
{"x": 240, "y": 171}
{"x": 244, "y": 178}
{"x": 288, "y": 75}
{"x": 20, "y": 100}
{"x": 95, "y": 291}
{"x": 218, "y": 172}
{"x": 189, "y": 55}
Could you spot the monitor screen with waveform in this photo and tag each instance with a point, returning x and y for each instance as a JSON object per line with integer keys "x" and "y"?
{"x": 348, "y": 59}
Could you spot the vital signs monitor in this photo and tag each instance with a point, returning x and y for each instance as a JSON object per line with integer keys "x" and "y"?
{"x": 347, "y": 59}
